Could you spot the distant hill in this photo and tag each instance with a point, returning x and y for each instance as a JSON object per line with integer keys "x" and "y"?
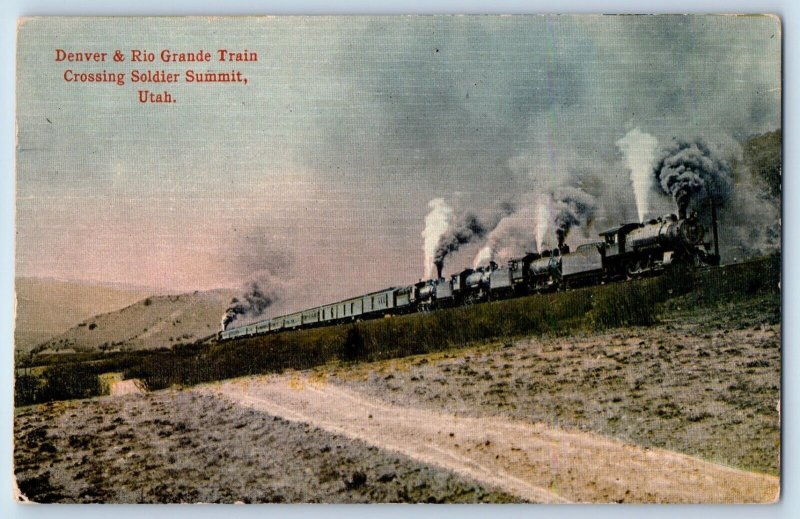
{"x": 153, "y": 322}
{"x": 762, "y": 154}
{"x": 48, "y": 307}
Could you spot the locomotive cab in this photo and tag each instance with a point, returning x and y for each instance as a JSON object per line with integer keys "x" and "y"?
{"x": 518, "y": 268}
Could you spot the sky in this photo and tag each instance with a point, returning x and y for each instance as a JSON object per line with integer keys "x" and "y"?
{"x": 317, "y": 175}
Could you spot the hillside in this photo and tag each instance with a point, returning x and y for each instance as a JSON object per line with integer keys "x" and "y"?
{"x": 659, "y": 390}
{"x": 48, "y": 307}
{"x": 762, "y": 154}
{"x": 153, "y": 322}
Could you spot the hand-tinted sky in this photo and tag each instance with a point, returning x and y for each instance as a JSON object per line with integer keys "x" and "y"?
{"x": 320, "y": 170}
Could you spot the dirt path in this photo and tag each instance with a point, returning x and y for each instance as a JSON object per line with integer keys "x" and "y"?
{"x": 532, "y": 461}
{"x": 127, "y": 387}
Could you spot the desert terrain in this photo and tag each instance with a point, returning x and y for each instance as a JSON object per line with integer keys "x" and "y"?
{"x": 683, "y": 411}
{"x": 190, "y": 446}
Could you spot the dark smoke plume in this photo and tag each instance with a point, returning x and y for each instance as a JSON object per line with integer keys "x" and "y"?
{"x": 255, "y": 302}
{"x": 692, "y": 174}
{"x": 467, "y": 228}
{"x": 573, "y": 206}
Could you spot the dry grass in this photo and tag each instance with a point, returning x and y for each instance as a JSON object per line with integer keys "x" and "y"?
{"x": 705, "y": 384}
{"x": 183, "y": 446}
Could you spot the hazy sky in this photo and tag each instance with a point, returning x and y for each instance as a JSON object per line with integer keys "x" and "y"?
{"x": 320, "y": 170}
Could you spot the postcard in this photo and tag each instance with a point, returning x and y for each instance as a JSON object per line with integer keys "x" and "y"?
{"x": 417, "y": 259}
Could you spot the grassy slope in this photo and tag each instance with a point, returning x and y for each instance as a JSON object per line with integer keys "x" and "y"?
{"x": 584, "y": 310}
{"x": 579, "y": 311}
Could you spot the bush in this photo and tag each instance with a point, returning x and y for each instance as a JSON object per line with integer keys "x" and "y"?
{"x": 69, "y": 381}
{"x": 26, "y": 390}
{"x": 624, "y": 304}
{"x": 353, "y": 346}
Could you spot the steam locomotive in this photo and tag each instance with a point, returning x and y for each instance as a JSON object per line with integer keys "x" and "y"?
{"x": 627, "y": 251}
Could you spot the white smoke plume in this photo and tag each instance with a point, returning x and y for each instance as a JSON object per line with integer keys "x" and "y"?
{"x": 484, "y": 256}
{"x": 436, "y": 223}
{"x": 639, "y": 149}
{"x": 516, "y": 233}
{"x": 542, "y": 221}
{"x": 469, "y": 227}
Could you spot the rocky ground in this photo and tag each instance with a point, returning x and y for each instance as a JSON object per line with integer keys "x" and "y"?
{"x": 184, "y": 446}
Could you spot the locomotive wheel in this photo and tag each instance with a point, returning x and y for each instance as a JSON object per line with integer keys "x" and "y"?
{"x": 634, "y": 269}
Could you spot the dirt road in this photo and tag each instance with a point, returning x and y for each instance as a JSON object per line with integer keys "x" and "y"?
{"x": 532, "y": 461}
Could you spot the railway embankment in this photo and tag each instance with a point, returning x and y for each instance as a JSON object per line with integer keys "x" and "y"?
{"x": 637, "y": 303}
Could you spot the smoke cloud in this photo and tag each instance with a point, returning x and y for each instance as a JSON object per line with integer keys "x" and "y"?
{"x": 485, "y": 255}
{"x": 573, "y": 207}
{"x": 693, "y": 174}
{"x": 467, "y": 228}
{"x": 525, "y": 229}
{"x": 513, "y": 236}
{"x": 639, "y": 149}
{"x": 253, "y": 303}
{"x": 542, "y": 221}
{"x": 270, "y": 287}
{"x": 436, "y": 223}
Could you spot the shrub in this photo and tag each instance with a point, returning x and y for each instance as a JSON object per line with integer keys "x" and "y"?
{"x": 354, "y": 345}
{"x": 624, "y": 304}
{"x": 70, "y": 381}
{"x": 26, "y": 390}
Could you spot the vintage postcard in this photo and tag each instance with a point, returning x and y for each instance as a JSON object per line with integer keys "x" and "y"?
{"x": 423, "y": 259}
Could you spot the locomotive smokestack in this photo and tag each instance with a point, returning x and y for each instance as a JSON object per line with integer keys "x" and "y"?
{"x": 439, "y": 265}
{"x": 227, "y": 318}
{"x": 682, "y": 199}
{"x": 714, "y": 230}
{"x": 561, "y": 234}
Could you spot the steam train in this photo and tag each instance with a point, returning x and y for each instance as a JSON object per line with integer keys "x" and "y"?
{"x": 627, "y": 251}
